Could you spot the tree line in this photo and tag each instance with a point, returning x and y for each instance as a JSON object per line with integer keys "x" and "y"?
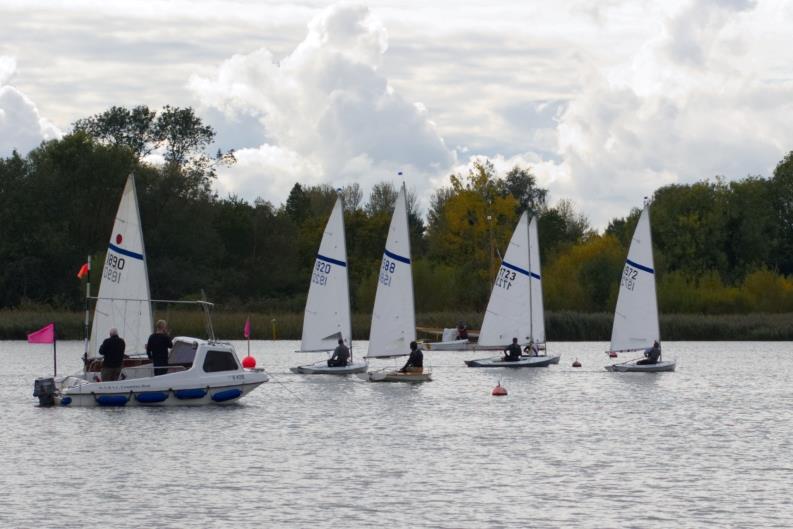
{"x": 720, "y": 247}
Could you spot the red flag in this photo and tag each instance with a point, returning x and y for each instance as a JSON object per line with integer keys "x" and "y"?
{"x": 83, "y": 271}
{"x": 246, "y": 332}
{"x": 44, "y": 335}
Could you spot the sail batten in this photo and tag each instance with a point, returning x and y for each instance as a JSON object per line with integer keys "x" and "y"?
{"x": 327, "y": 313}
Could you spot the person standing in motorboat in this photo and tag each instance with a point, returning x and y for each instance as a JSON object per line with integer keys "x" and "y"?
{"x": 652, "y": 354}
{"x": 157, "y": 348}
{"x": 462, "y": 331}
{"x": 113, "y": 351}
{"x": 512, "y": 352}
{"x": 415, "y": 363}
{"x": 340, "y": 355}
{"x": 532, "y": 349}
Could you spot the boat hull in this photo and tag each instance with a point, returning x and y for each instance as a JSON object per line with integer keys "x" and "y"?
{"x": 397, "y": 376}
{"x": 321, "y": 368}
{"x": 633, "y": 367}
{"x": 525, "y": 361}
{"x": 454, "y": 345}
{"x": 195, "y": 396}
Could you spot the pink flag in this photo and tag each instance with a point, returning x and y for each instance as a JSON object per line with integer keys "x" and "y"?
{"x": 246, "y": 332}
{"x": 44, "y": 335}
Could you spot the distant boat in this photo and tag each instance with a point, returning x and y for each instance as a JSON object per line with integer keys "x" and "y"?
{"x": 199, "y": 371}
{"x": 636, "y": 315}
{"x": 393, "y": 317}
{"x": 516, "y": 308}
{"x": 327, "y": 314}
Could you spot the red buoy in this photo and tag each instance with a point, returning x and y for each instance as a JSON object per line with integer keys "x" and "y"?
{"x": 576, "y": 363}
{"x": 249, "y": 362}
{"x": 499, "y": 390}
{"x": 612, "y": 354}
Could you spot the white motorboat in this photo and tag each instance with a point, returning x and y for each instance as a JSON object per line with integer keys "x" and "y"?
{"x": 393, "y": 317}
{"x": 516, "y": 309}
{"x": 449, "y": 340}
{"x": 636, "y": 315}
{"x": 124, "y": 303}
{"x": 327, "y": 314}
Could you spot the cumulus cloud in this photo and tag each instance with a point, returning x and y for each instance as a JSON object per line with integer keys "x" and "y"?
{"x": 327, "y": 112}
{"x": 21, "y": 126}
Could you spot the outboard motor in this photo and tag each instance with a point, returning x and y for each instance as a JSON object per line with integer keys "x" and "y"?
{"x": 44, "y": 389}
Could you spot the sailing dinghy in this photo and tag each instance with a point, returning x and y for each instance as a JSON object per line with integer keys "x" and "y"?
{"x": 515, "y": 309}
{"x": 199, "y": 371}
{"x": 636, "y": 315}
{"x": 327, "y": 315}
{"x": 393, "y": 317}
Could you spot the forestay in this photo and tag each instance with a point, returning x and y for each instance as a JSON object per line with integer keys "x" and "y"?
{"x": 508, "y": 310}
{"x": 393, "y": 317}
{"x": 124, "y": 300}
{"x": 537, "y": 331}
{"x": 327, "y": 314}
{"x": 636, "y": 316}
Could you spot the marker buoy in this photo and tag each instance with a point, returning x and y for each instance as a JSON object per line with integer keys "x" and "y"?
{"x": 576, "y": 363}
{"x": 499, "y": 390}
{"x": 612, "y": 354}
{"x": 249, "y": 362}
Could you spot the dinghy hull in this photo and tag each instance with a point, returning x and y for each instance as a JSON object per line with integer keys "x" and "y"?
{"x": 321, "y": 368}
{"x": 525, "y": 361}
{"x": 454, "y": 345}
{"x": 660, "y": 367}
{"x": 397, "y": 376}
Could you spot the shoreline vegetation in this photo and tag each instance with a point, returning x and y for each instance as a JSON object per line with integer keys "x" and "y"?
{"x": 560, "y": 325}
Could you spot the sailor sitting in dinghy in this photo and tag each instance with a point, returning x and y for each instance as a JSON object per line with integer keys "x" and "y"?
{"x": 340, "y": 355}
{"x": 532, "y": 349}
{"x": 652, "y": 354}
{"x": 512, "y": 353}
{"x": 415, "y": 363}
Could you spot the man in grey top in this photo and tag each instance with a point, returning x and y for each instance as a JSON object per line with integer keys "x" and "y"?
{"x": 340, "y": 355}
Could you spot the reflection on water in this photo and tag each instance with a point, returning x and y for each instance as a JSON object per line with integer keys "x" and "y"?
{"x": 707, "y": 445}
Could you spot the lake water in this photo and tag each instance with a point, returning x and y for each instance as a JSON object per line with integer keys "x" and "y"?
{"x": 707, "y": 446}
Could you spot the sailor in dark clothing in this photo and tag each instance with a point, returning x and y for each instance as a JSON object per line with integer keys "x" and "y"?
{"x": 157, "y": 348}
{"x": 340, "y": 355}
{"x": 415, "y": 363}
{"x": 113, "y": 351}
{"x": 462, "y": 331}
{"x": 652, "y": 354}
{"x": 512, "y": 353}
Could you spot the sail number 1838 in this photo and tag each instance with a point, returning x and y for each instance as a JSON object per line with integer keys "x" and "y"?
{"x": 386, "y": 271}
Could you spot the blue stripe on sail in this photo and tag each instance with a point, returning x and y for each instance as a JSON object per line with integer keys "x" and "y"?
{"x": 536, "y": 276}
{"x": 640, "y": 267}
{"x": 331, "y": 261}
{"x": 397, "y": 257}
{"x": 122, "y": 251}
{"x": 516, "y": 268}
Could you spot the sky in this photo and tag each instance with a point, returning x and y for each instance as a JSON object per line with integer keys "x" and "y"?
{"x": 604, "y": 100}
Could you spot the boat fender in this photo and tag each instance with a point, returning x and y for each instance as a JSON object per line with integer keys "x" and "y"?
{"x": 249, "y": 362}
{"x": 194, "y": 393}
{"x": 227, "y": 394}
{"x": 576, "y": 363}
{"x": 65, "y": 401}
{"x": 150, "y": 397}
{"x": 111, "y": 400}
{"x": 499, "y": 391}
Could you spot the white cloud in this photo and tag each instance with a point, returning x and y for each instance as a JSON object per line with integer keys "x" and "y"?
{"x": 327, "y": 112}
{"x": 21, "y": 126}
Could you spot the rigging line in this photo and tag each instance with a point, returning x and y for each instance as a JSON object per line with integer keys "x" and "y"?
{"x": 295, "y": 395}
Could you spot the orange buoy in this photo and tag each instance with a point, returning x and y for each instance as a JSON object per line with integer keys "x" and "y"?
{"x": 576, "y": 363}
{"x": 249, "y": 362}
{"x": 499, "y": 390}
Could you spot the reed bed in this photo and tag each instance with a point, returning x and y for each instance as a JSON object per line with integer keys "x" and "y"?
{"x": 561, "y": 326}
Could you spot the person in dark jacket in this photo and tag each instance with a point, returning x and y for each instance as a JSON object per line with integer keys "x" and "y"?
{"x": 157, "y": 348}
{"x": 415, "y": 363}
{"x": 113, "y": 351}
{"x": 512, "y": 353}
{"x": 652, "y": 354}
{"x": 340, "y": 355}
{"x": 462, "y": 331}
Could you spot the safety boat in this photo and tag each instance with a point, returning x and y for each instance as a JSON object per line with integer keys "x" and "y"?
{"x": 516, "y": 309}
{"x": 636, "y": 325}
{"x": 327, "y": 314}
{"x": 199, "y": 372}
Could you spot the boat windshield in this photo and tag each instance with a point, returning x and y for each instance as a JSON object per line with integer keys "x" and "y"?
{"x": 183, "y": 353}
{"x": 220, "y": 361}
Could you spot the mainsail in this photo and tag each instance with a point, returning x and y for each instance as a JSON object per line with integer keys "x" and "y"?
{"x": 393, "y": 316}
{"x": 636, "y": 316}
{"x": 327, "y": 314}
{"x": 124, "y": 299}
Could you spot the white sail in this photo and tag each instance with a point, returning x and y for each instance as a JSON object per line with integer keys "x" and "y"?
{"x": 508, "y": 310}
{"x": 537, "y": 305}
{"x": 327, "y": 314}
{"x": 124, "y": 300}
{"x": 393, "y": 316}
{"x": 636, "y": 316}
